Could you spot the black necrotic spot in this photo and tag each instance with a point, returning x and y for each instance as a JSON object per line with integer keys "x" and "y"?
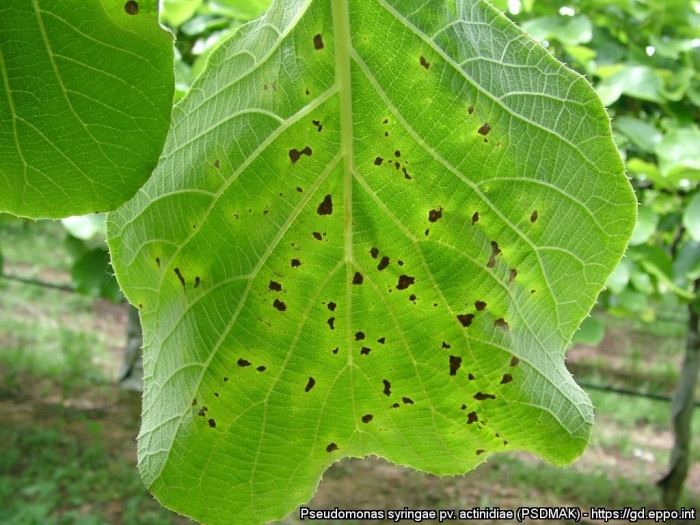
{"x": 317, "y": 236}
{"x": 261, "y": 368}
{"x": 378, "y": 161}
{"x": 445, "y": 345}
{"x": 357, "y": 279}
{"x": 367, "y": 418}
{"x": 216, "y": 394}
{"x": 502, "y": 324}
{"x": 374, "y": 252}
{"x": 512, "y": 274}
{"x": 407, "y": 400}
{"x": 381, "y": 340}
{"x": 480, "y": 396}
{"x": 279, "y": 305}
{"x": 475, "y": 217}
{"x": 359, "y": 335}
{"x": 455, "y": 363}
{"x": 331, "y": 306}
{"x": 326, "y": 207}
{"x": 472, "y": 418}
{"x": 480, "y": 451}
{"x": 424, "y": 62}
{"x": 514, "y": 361}
{"x": 533, "y": 217}
{"x": 463, "y": 407}
{"x": 197, "y": 281}
{"x": 404, "y": 282}
{"x": 330, "y": 322}
{"x": 383, "y": 263}
{"x": 212, "y": 423}
{"x": 131, "y": 7}
{"x": 318, "y": 42}
{"x": 295, "y": 263}
{"x": 158, "y": 261}
{"x": 275, "y": 286}
{"x": 495, "y": 250}
{"x": 310, "y": 384}
{"x": 365, "y": 350}
{"x": 179, "y": 276}
{"x": 465, "y": 319}
{"x": 480, "y": 305}
{"x": 395, "y": 405}
{"x": 242, "y": 362}
{"x": 484, "y": 130}
{"x": 507, "y": 378}
{"x": 387, "y": 387}
{"x": 331, "y": 447}
{"x": 471, "y": 377}
{"x": 435, "y": 215}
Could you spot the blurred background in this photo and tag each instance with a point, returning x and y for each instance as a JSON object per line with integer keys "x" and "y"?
{"x": 70, "y": 366}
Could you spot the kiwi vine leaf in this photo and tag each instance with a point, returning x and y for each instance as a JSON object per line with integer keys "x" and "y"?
{"x": 374, "y": 229}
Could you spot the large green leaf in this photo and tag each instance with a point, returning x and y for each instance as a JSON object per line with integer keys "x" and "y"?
{"x": 86, "y": 93}
{"x": 374, "y": 229}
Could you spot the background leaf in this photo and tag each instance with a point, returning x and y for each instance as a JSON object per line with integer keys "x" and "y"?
{"x": 85, "y": 99}
{"x": 374, "y": 229}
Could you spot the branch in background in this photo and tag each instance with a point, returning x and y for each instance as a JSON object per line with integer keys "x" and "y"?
{"x": 35, "y": 282}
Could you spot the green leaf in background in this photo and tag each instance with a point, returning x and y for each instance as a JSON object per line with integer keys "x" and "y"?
{"x": 570, "y": 31}
{"x": 91, "y": 275}
{"x": 618, "y": 279}
{"x": 679, "y": 151}
{"x": 591, "y": 332}
{"x": 640, "y": 82}
{"x": 691, "y": 217}
{"x": 85, "y": 100}
{"x": 374, "y": 229}
{"x": 85, "y": 227}
{"x": 176, "y": 12}
{"x": 647, "y": 221}
{"x": 642, "y": 135}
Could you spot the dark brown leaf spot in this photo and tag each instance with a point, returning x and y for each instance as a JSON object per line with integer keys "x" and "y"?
{"x": 374, "y": 252}
{"x": 455, "y": 363}
{"x": 405, "y": 174}
{"x": 514, "y": 361}
{"x": 202, "y": 412}
{"x": 507, "y": 378}
{"x": 295, "y": 263}
{"x": 131, "y": 7}
{"x": 480, "y": 396}
{"x": 397, "y": 154}
{"x": 331, "y": 448}
{"x": 385, "y": 121}
{"x": 479, "y": 452}
{"x": 212, "y": 423}
{"x": 495, "y": 250}
{"x": 317, "y": 123}
{"x": 470, "y": 110}
{"x": 279, "y": 305}
{"x": 378, "y": 161}
{"x": 407, "y": 400}
{"x": 331, "y": 306}
{"x": 465, "y": 319}
{"x": 472, "y": 418}
{"x": 484, "y": 130}
{"x": 317, "y": 236}
{"x": 194, "y": 402}
{"x": 446, "y": 345}
{"x": 395, "y": 405}
{"x": 463, "y": 407}
{"x": 387, "y": 387}
{"x": 381, "y": 340}
{"x": 533, "y": 217}
{"x": 512, "y": 274}
{"x": 404, "y": 282}
{"x": 299, "y": 189}
{"x": 243, "y": 363}
{"x": 216, "y": 394}
{"x": 275, "y": 286}
{"x": 471, "y": 377}
{"x": 383, "y": 263}
{"x": 424, "y": 62}
{"x": 397, "y": 165}
{"x": 335, "y": 350}
{"x": 197, "y": 281}
{"x": 318, "y": 42}
{"x": 310, "y": 384}
{"x": 367, "y": 418}
{"x": 480, "y": 305}
{"x": 326, "y": 207}
{"x": 475, "y": 217}
{"x": 217, "y": 164}
{"x": 261, "y": 368}
{"x": 357, "y": 279}
{"x": 427, "y": 232}
{"x": 225, "y": 379}
{"x": 307, "y": 92}
{"x": 412, "y": 298}
{"x": 140, "y": 305}
{"x": 386, "y": 133}
{"x": 158, "y": 261}
{"x": 330, "y": 323}
{"x": 435, "y": 215}
{"x": 502, "y": 324}
{"x": 399, "y": 262}
{"x": 532, "y": 291}
{"x": 179, "y": 276}
{"x": 365, "y": 350}
{"x": 295, "y": 154}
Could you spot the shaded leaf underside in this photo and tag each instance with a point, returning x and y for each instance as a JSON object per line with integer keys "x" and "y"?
{"x": 373, "y": 230}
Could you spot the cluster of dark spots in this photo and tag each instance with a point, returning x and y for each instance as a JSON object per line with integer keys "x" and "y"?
{"x": 367, "y": 418}
{"x": 404, "y": 282}
{"x": 179, "y": 276}
{"x": 475, "y": 217}
{"x": 480, "y": 305}
{"x": 383, "y": 263}
{"x": 435, "y": 215}
{"x": 533, "y": 217}
{"x": 335, "y": 350}
{"x": 502, "y": 324}
{"x": 330, "y": 322}
{"x": 470, "y": 110}
{"x": 158, "y": 261}
{"x": 374, "y": 252}
{"x": 471, "y": 377}
{"x": 310, "y": 384}
{"x": 331, "y": 306}
{"x": 514, "y": 361}
{"x": 131, "y": 7}
{"x": 424, "y": 62}
{"x": 507, "y": 378}
{"x": 295, "y": 263}
{"x": 407, "y": 400}
{"x": 279, "y": 305}
{"x": 365, "y": 350}
{"x": 243, "y": 363}
{"x": 295, "y": 154}
{"x": 472, "y": 418}
{"x": 495, "y": 250}
{"x": 318, "y": 42}
{"x": 463, "y": 407}
{"x": 381, "y": 340}
{"x": 212, "y": 423}
{"x": 387, "y": 387}
{"x": 216, "y": 164}
{"x": 216, "y": 394}
{"x": 395, "y": 405}
{"x": 332, "y": 447}
{"x": 446, "y": 345}
{"x": 378, "y": 161}
{"x": 359, "y": 336}
{"x": 465, "y": 319}
{"x": 480, "y": 451}
{"x": 202, "y": 411}
{"x": 261, "y": 368}
{"x": 317, "y": 123}
{"x": 405, "y": 174}
{"x": 484, "y": 130}
{"x": 412, "y": 298}
{"x": 275, "y": 286}
{"x": 455, "y": 363}
{"x": 317, "y": 236}
{"x": 194, "y": 402}
{"x": 480, "y": 396}
{"x": 326, "y": 207}
{"x": 512, "y": 274}
{"x": 357, "y": 279}
{"x": 197, "y": 281}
